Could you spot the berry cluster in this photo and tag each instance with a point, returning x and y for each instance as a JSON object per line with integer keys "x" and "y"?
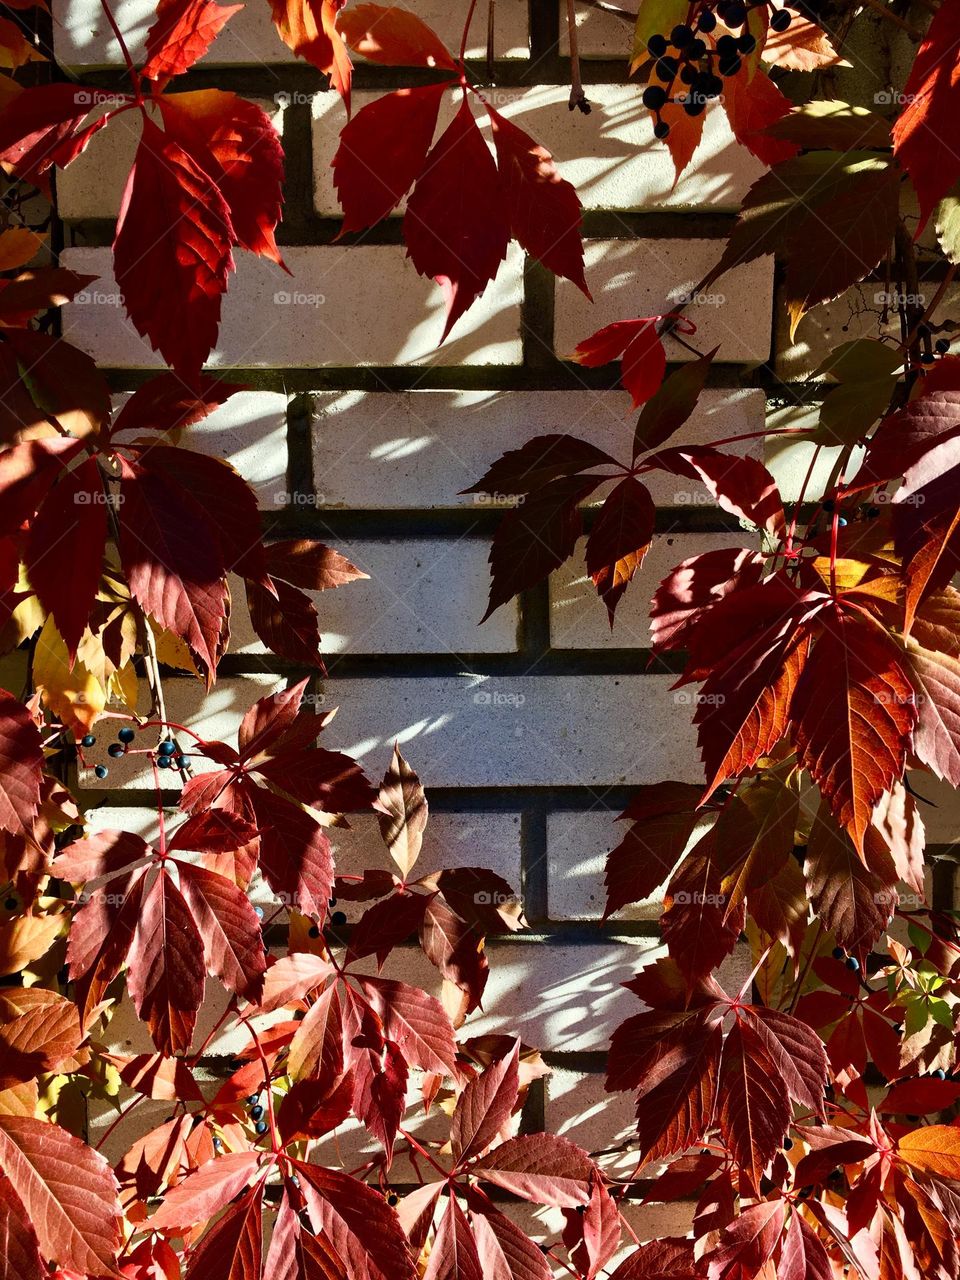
{"x": 255, "y": 1112}
{"x": 166, "y": 755}
{"x": 699, "y": 64}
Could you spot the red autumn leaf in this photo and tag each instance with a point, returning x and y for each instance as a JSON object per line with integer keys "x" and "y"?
{"x": 454, "y": 1253}
{"x": 171, "y": 555}
{"x": 652, "y": 846}
{"x": 295, "y": 855}
{"x": 181, "y": 34}
{"x": 310, "y": 565}
{"x": 753, "y": 1106}
{"x": 695, "y": 585}
{"x": 203, "y": 1194}
{"x": 232, "y": 1248}
{"x": 742, "y": 486}
{"x": 67, "y": 1192}
{"x": 456, "y": 228}
{"x": 172, "y": 252}
{"x": 358, "y": 1223}
{"x": 165, "y": 966}
{"x": 545, "y": 458}
{"x": 619, "y": 540}
{"x": 286, "y": 622}
{"x": 20, "y": 1257}
{"x": 309, "y": 28}
{"x": 504, "y": 1248}
{"x": 748, "y": 1242}
{"x": 21, "y": 764}
{"x": 925, "y": 136}
{"x": 393, "y": 37}
{"x": 229, "y": 926}
{"x": 803, "y": 1256}
{"x": 415, "y": 1021}
{"x": 853, "y": 711}
{"x": 22, "y": 299}
{"x": 853, "y": 891}
{"x": 234, "y": 142}
{"x": 540, "y": 1167}
{"x": 36, "y": 123}
{"x": 371, "y": 179}
{"x": 536, "y": 537}
{"x": 544, "y": 208}
{"x": 163, "y": 403}
{"x": 38, "y": 1030}
{"x": 65, "y": 550}
{"x": 485, "y": 1106}
{"x": 752, "y": 104}
{"x": 638, "y": 343}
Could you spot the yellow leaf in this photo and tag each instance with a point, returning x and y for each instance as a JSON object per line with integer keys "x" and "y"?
{"x": 172, "y": 651}
{"x": 76, "y": 696}
{"x": 25, "y": 939}
{"x": 19, "y": 1099}
{"x": 934, "y": 1149}
{"x": 125, "y": 687}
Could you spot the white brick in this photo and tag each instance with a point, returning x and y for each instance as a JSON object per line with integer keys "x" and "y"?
{"x": 649, "y": 277}
{"x": 489, "y": 839}
{"x": 578, "y": 617}
{"x": 270, "y": 319}
{"x": 579, "y": 1109}
{"x": 82, "y": 36}
{"x": 610, "y": 156}
{"x": 577, "y": 846}
{"x": 92, "y": 185}
{"x": 422, "y": 596}
{"x": 560, "y": 734}
{"x": 419, "y": 449}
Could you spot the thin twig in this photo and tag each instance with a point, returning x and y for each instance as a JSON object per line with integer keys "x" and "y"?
{"x": 578, "y": 99}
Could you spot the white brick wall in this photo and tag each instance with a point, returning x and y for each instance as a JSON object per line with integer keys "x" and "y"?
{"x": 610, "y": 155}
{"x": 531, "y": 729}
{"x": 407, "y": 605}
{"x": 651, "y": 277}
{"x": 419, "y": 449}
{"x": 82, "y": 36}
{"x": 325, "y": 314}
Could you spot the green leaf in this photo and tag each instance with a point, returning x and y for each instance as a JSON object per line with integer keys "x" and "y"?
{"x": 670, "y": 406}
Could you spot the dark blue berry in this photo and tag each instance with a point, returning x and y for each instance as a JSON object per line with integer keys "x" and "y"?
{"x": 164, "y": 762}
{"x": 943, "y": 346}
{"x": 101, "y": 770}
{"x": 661, "y": 130}
{"x": 694, "y": 106}
{"x": 657, "y": 45}
{"x": 253, "y": 1099}
{"x": 746, "y": 43}
{"x": 87, "y": 740}
{"x": 707, "y": 21}
{"x": 938, "y": 1074}
{"x": 168, "y": 747}
{"x": 256, "y": 1112}
{"x": 787, "y": 1144}
{"x": 338, "y": 917}
{"x": 853, "y": 964}
{"x": 695, "y": 50}
{"x": 680, "y": 35}
{"x": 780, "y": 20}
{"x": 735, "y": 14}
{"x": 927, "y": 357}
{"x": 11, "y": 904}
{"x": 258, "y": 912}
{"x": 666, "y": 69}
{"x": 392, "y": 1198}
{"x": 262, "y": 1127}
{"x": 654, "y": 97}
{"x": 838, "y": 953}
{"x": 728, "y": 66}
{"x": 181, "y": 762}
{"x": 841, "y": 523}
{"x": 126, "y": 734}
{"x": 313, "y": 931}
{"x": 688, "y": 74}
{"x": 727, "y": 46}
{"x": 116, "y": 749}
